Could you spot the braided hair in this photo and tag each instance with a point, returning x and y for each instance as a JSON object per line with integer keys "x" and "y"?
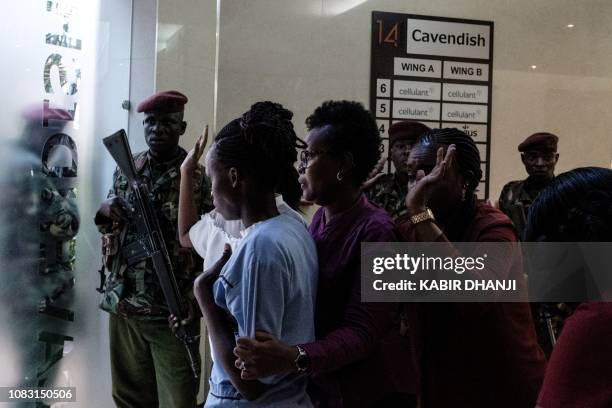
{"x": 353, "y": 130}
{"x": 263, "y": 144}
{"x": 576, "y": 206}
{"x": 467, "y": 155}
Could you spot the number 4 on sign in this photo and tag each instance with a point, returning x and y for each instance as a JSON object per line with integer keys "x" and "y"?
{"x": 392, "y": 35}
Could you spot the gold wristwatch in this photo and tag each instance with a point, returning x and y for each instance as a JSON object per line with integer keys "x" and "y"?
{"x": 422, "y": 216}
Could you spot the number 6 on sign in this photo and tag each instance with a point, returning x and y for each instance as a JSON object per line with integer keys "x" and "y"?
{"x": 382, "y": 108}
{"x": 383, "y": 87}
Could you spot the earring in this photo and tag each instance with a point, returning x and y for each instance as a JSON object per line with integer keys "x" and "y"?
{"x": 339, "y": 176}
{"x": 463, "y": 192}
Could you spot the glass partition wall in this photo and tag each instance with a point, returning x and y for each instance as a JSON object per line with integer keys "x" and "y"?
{"x": 95, "y": 61}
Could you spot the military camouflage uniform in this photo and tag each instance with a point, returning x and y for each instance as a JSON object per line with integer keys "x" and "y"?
{"x": 389, "y": 194}
{"x": 134, "y": 291}
{"x": 514, "y": 201}
{"x": 37, "y": 261}
{"x": 146, "y": 358}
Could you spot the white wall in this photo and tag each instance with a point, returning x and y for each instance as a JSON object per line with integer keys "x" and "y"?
{"x": 186, "y": 51}
{"x": 186, "y": 56}
{"x": 302, "y": 52}
{"x": 143, "y": 60}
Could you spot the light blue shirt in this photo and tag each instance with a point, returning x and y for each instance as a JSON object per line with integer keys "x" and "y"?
{"x": 269, "y": 284}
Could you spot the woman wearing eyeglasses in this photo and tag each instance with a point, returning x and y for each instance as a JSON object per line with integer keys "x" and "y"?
{"x": 358, "y": 358}
{"x": 470, "y": 354}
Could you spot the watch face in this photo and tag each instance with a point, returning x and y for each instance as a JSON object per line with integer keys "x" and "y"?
{"x": 302, "y": 361}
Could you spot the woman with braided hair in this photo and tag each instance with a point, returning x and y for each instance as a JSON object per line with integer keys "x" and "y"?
{"x": 269, "y": 282}
{"x": 577, "y": 207}
{"x": 358, "y": 358}
{"x": 470, "y": 354}
{"x": 208, "y": 235}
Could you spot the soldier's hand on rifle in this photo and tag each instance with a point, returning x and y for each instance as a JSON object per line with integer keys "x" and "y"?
{"x": 173, "y": 321}
{"x": 115, "y": 208}
{"x": 190, "y": 164}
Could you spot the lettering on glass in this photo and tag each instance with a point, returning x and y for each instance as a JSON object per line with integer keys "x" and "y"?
{"x": 67, "y": 11}
{"x": 69, "y": 88}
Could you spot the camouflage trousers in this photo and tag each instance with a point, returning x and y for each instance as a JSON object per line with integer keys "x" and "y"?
{"x": 149, "y": 365}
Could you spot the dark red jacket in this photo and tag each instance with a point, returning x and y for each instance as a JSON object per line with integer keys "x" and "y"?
{"x": 473, "y": 355}
{"x": 359, "y": 356}
{"x": 579, "y": 373}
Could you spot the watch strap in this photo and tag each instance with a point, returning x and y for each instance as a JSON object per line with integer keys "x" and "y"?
{"x": 422, "y": 216}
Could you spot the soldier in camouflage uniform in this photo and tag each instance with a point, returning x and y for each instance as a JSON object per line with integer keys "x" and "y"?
{"x": 39, "y": 219}
{"x": 149, "y": 365}
{"x": 389, "y": 190}
{"x": 539, "y": 155}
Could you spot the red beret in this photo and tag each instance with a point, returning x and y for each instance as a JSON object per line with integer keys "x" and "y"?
{"x": 167, "y": 101}
{"x": 406, "y": 130}
{"x": 541, "y": 141}
{"x": 37, "y": 112}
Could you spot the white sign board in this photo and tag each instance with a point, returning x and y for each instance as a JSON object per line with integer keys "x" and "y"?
{"x": 430, "y": 37}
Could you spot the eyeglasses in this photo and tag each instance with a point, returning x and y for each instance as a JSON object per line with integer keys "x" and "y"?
{"x": 307, "y": 155}
{"x": 534, "y": 156}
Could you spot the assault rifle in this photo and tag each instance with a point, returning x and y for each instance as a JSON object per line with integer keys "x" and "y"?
{"x": 151, "y": 241}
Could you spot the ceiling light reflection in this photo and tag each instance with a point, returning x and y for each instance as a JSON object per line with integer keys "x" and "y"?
{"x": 336, "y": 7}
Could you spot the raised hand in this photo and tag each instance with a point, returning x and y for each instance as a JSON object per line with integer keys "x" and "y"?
{"x": 190, "y": 163}
{"x": 419, "y": 190}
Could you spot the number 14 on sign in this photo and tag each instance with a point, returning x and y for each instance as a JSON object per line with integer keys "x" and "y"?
{"x": 390, "y": 37}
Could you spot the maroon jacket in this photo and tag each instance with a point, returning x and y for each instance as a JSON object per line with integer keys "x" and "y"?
{"x": 579, "y": 373}
{"x": 478, "y": 354}
{"x": 358, "y": 356}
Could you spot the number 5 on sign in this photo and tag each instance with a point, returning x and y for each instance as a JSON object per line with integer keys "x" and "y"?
{"x": 383, "y": 106}
{"x": 383, "y": 87}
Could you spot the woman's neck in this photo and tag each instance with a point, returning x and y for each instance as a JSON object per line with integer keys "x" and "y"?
{"x": 258, "y": 208}
{"x": 345, "y": 199}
